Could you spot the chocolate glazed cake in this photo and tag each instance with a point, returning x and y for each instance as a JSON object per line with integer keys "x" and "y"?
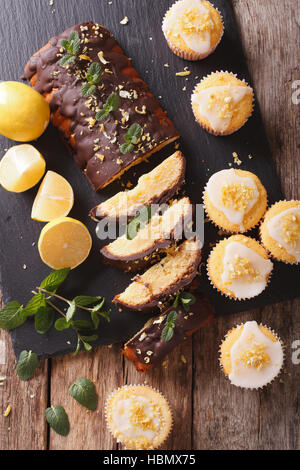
{"x": 95, "y": 145}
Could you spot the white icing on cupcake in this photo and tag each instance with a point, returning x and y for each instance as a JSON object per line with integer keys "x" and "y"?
{"x": 217, "y": 104}
{"x": 245, "y": 273}
{"x": 284, "y": 228}
{"x": 233, "y": 195}
{"x": 255, "y": 359}
{"x": 190, "y": 20}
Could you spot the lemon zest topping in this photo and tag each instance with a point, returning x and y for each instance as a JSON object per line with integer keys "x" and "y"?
{"x": 236, "y": 196}
{"x": 255, "y": 357}
{"x": 193, "y": 22}
{"x": 243, "y": 268}
{"x": 290, "y": 224}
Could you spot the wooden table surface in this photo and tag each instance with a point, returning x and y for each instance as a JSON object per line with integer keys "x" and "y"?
{"x": 209, "y": 412}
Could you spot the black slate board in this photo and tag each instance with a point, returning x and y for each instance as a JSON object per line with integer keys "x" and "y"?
{"x": 26, "y": 25}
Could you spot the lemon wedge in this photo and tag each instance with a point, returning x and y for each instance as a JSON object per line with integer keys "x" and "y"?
{"x": 64, "y": 243}
{"x": 21, "y": 168}
{"x": 55, "y": 198}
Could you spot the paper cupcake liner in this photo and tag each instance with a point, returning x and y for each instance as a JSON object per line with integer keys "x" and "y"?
{"x": 209, "y": 129}
{"x": 128, "y": 443}
{"x": 294, "y": 263}
{"x": 267, "y": 383}
{"x": 228, "y": 295}
{"x": 232, "y": 231}
{"x": 191, "y": 56}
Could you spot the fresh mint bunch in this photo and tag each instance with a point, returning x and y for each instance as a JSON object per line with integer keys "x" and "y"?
{"x": 131, "y": 138}
{"x": 71, "y": 46}
{"x": 93, "y": 77}
{"x": 111, "y": 104}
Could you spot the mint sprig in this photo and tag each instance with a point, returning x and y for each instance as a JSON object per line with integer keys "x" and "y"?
{"x": 41, "y": 307}
{"x": 93, "y": 77}
{"x": 111, "y": 104}
{"x": 71, "y": 46}
{"x": 168, "y": 331}
{"x": 83, "y": 391}
{"x": 187, "y": 300}
{"x": 131, "y": 138}
{"x": 138, "y": 222}
{"x": 27, "y": 364}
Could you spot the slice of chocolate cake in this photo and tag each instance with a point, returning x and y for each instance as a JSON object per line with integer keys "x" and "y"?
{"x": 105, "y": 111}
{"x": 149, "y": 347}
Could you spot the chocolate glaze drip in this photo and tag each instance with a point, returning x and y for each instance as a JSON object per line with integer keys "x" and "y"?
{"x": 96, "y": 145}
{"x": 148, "y": 347}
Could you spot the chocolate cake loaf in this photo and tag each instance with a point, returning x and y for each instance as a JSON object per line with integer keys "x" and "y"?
{"x": 147, "y": 348}
{"x": 104, "y": 110}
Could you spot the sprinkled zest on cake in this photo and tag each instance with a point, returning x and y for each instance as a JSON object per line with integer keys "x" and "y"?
{"x": 236, "y": 196}
{"x": 242, "y": 268}
{"x": 139, "y": 417}
{"x": 223, "y": 102}
{"x": 194, "y": 22}
{"x": 255, "y": 357}
{"x": 290, "y": 224}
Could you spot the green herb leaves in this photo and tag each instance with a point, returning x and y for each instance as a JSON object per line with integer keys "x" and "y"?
{"x": 27, "y": 364}
{"x": 93, "y": 77}
{"x": 168, "y": 331}
{"x": 111, "y": 104}
{"x": 11, "y": 316}
{"x": 83, "y": 391}
{"x": 58, "y": 419}
{"x": 131, "y": 138}
{"x": 140, "y": 220}
{"x": 43, "y": 309}
{"x": 72, "y": 46}
{"x": 187, "y": 299}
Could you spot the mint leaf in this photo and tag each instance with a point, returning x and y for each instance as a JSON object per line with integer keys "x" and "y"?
{"x": 85, "y": 300}
{"x": 83, "y": 325}
{"x": 71, "y": 311}
{"x": 187, "y": 299}
{"x": 55, "y": 279}
{"x": 88, "y": 89}
{"x": 66, "y": 60}
{"x": 11, "y": 316}
{"x": 94, "y": 73}
{"x": 44, "y": 319}
{"x": 111, "y": 104}
{"x": 126, "y": 148}
{"x": 167, "y": 333}
{"x": 102, "y": 115}
{"x": 77, "y": 347}
{"x": 176, "y": 301}
{"x": 62, "y": 324}
{"x": 34, "y": 305}
{"x": 72, "y": 46}
{"x": 83, "y": 391}
{"x": 27, "y": 364}
{"x": 138, "y": 222}
{"x": 58, "y": 419}
{"x": 172, "y": 317}
{"x": 87, "y": 346}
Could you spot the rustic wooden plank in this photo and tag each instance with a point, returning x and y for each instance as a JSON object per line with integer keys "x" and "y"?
{"x": 88, "y": 429}
{"x": 25, "y": 427}
{"x": 226, "y": 417}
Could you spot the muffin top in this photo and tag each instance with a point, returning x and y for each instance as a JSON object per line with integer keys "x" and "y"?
{"x": 193, "y": 26}
{"x": 239, "y": 267}
{"x": 283, "y": 227}
{"x": 234, "y": 193}
{"x": 251, "y": 355}
{"x": 138, "y": 416}
{"x": 222, "y": 102}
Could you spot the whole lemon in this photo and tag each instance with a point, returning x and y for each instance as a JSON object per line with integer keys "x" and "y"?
{"x": 24, "y": 113}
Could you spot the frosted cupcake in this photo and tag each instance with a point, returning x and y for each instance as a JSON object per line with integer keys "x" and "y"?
{"x": 239, "y": 267}
{"x": 222, "y": 103}
{"x": 280, "y": 231}
{"x": 235, "y": 200}
{"x": 251, "y": 355}
{"x": 138, "y": 416}
{"x": 193, "y": 28}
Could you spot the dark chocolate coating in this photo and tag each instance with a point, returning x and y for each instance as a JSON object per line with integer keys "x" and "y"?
{"x": 97, "y": 152}
{"x": 147, "y": 349}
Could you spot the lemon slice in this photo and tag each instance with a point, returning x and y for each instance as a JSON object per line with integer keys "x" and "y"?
{"x": 64, "y": 243}
{"x": 55, "y": 198}
{"x": 21, "y": 168}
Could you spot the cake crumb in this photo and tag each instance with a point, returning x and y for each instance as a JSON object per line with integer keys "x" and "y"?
{"x": 125, "y": 20}
{"x": 7, "y": 411}
{"x": 183, "y": 359}
{"x": 250, "y": 156}
{"x": 236, "y": 159}
{"x": 183, "y": 74}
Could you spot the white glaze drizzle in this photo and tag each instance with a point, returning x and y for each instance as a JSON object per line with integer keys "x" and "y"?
{"x": 245, "y": 286}
{"x": 214, "y": 191}
{"x": 197, "y": 42}
{"x": 276, "y": 231}
{"x": 210, "y": 108}
{"x": 247, "y": 376}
